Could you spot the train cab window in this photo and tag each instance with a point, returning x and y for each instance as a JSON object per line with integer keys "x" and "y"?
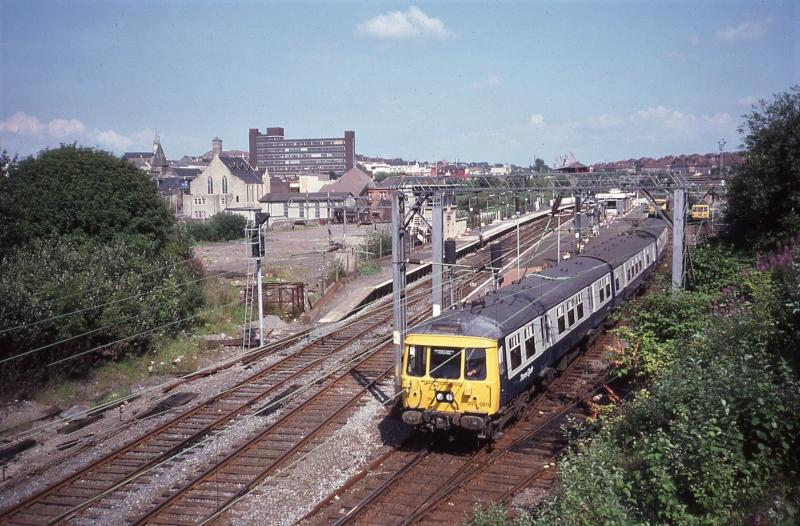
{"x": 475, "y": 364}
{"x": 445, "y": 362}
{"x": 415, "y": 365}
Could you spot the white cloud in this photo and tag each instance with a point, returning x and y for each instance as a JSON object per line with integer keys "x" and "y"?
{"x": 537, "y": 119}
{"x": 746, "y": 32}
{"x": 397, "y": 25}
{"x": 65, "y": 128}
{"x": 21, "y": 124}
{"x": 679, "y": 123}
{"x": 672, "y": 54}
{"x": 604, "y": 121}
{"x": 111, "y": 139}
{"x": 488, "y": 82}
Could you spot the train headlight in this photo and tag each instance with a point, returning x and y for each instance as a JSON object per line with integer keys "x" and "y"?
{"x": 449, "y": 397}
{"x": 439, "y": 397}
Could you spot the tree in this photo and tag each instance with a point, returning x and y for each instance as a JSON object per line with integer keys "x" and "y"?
{"x": 80, "y": 192}
{"x": 91, "y": 266}
{"x": 764, "y": 194}
{"x": 540, "y": 166}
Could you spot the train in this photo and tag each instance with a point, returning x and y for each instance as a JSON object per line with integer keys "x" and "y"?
{"x": 700, "y": 212}
{"x": 477, "y": 365}
{"x": 663, "y": 205}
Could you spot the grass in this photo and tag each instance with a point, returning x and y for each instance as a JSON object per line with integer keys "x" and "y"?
{"x": 369, "y": 267}
{"x": 173, "y": 356}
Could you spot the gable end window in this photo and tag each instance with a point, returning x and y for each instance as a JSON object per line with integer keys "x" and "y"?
{"x": 210, "y": 185}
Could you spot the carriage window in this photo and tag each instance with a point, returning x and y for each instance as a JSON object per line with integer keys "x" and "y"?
{"x": 561, "y": 326}
{"x": 516, "y": 357}
{"x": 571, "y": 315}
{"x": 616, "y": 281}
{"x": 475, "y": 364}
{"x": 602, "y": 294}
{"x": 580, "y": 310}
{"x": 608, "y": 290}
{"x": 530, "y": 347}
{"x": 415, "y": 365}
{"x": 445, "y": 363}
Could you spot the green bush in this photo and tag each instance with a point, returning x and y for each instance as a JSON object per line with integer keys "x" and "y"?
{"x": 90, "y": 294}
{"x": 714, "y": 442}
{"x": 89, "y": 255}
{"x": 377, "y": 243}
{"x": 221, "y": 227}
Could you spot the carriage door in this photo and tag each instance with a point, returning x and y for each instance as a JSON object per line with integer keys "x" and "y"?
{"x": 538, "y": 334}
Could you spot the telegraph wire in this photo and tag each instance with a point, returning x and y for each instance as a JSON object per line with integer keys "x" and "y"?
{"x": 113, "y": 302}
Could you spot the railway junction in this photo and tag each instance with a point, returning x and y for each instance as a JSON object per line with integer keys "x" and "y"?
{"x": 300, "y": 430}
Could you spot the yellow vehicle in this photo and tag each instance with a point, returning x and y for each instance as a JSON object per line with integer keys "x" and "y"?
{"x": 700, "y": 212}
{"x": 663, "y": 204}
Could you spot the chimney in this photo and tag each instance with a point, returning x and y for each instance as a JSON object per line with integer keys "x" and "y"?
{"x": 216, "y": 147}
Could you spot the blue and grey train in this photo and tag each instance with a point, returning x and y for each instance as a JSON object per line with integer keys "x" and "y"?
{"x": 474, "y": 366}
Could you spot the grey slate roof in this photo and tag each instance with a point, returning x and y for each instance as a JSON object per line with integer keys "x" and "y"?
{"x": 241, "y": 169}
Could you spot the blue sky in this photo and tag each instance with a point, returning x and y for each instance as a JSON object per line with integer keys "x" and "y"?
{"x": 494, "y": 81}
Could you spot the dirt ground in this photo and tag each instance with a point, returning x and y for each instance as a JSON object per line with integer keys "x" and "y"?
{"x": 299, "y": 254}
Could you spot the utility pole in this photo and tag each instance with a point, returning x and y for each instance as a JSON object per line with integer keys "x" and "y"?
{"x": 721, "y": 144}
{"x": 437, "y": 244}
{"x": 558, "y": 237}
{"x": 678, "y": 239}
{"x": 398, "y": 283}
{"x": 517, "y": 245}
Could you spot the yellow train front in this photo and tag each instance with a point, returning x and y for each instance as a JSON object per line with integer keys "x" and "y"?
{"x": 450, "y": 381}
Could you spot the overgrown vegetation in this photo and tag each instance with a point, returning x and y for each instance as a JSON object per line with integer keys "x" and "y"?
{"x": 168, "y": 355}
{"x": 91, "y": 266}
{"x": 221, "y": 227}
{"x": 376, "y": 244}
{"x": 713, "y": 439}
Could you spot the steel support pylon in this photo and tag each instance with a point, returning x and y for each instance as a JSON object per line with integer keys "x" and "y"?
{"x": 678, "y": 239}
{"x": 437, "y": 257}
{"x": 398, "y": 283}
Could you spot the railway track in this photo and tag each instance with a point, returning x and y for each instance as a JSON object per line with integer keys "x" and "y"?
{"x": 124, "y": 464}
{"x": 438, "y": 483}
{"x": 275, "y": 383}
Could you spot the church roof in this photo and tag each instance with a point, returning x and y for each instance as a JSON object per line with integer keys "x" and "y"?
{"x": 354, "y": 181}
{"x": 241, "y": 169}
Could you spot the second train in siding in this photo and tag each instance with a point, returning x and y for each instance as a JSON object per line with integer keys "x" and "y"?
{"x": 474, "y": 366}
